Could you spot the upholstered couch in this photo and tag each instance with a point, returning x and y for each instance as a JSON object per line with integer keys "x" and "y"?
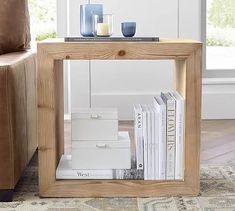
{"x": 18, "y": 122}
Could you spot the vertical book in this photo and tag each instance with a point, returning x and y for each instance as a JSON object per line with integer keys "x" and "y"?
{"x": 160, "y": 106}
{"x": 179, "y": 136}
{"x": 139, "y": 137}
{"x": 170, "y": 133}
{"x": 145, "y": 138}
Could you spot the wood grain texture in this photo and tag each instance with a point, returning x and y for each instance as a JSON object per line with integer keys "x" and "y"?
{"x": 218, "y": 142}
{"x": 111, "y": 50}
{"x": 193, "y": 119}
{"x": 46, "y": 120}
{"x": 59, "y": 106}
{"x": 117, "y": 188}
{"x": 187, "y": 79}
{"x": 180, "y": 77}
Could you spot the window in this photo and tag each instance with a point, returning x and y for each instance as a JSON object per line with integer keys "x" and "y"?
{"x": 42, "y": 19}
{"x": 220, "y": 35}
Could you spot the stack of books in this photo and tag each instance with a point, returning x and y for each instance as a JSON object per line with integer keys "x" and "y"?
{"x": 65, "y": 171}
{"x": 159, "y": 137}
{"x": 99, "y": 150}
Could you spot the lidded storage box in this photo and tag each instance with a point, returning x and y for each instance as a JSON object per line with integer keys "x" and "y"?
{"x": 102, "y": 154}
{"x": 95, "y": 124}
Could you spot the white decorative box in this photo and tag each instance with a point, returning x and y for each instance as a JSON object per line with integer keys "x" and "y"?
{"x": 95, "y": 124}
{"x": 102, "y": 154}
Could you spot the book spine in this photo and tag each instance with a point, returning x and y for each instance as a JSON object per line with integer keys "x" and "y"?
{"x": 156, "y": 144}
{"x": 179, "y": 137}
{"x": 149, "y": 147}
{"x": 139, "y": 138}
{"x": 153, "y": 143}
{"x": 145, "y": 145}
{"x": 181, "y": 140}
{"x": 160, "y": 107}
{"x": 129, "y": 174}
{"x": 170, "y": 139}
{"x": 177, "y": 141}
{"x": 162, "y": 144}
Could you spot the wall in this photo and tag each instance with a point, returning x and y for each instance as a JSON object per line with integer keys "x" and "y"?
{"x": 122, "y": 83}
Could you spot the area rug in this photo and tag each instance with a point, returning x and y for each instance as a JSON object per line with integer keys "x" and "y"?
{"x": 217, "y": 193}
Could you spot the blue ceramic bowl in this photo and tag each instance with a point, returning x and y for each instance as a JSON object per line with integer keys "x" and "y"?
{"x": 128, "y": 29}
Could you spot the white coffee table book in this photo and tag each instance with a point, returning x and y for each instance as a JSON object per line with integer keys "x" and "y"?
{"x": 65, "y": 171}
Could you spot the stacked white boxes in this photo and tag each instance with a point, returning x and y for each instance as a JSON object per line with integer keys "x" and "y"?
{"x": 96, "y": 142}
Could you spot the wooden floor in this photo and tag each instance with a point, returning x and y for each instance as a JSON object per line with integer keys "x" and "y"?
{"x": 217, "y": 140}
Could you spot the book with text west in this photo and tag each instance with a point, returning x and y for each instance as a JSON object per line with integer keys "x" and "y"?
{"x": 65, "y": 171}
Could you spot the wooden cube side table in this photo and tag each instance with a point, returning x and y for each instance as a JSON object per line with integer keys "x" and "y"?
{"x": 188, "y": 68}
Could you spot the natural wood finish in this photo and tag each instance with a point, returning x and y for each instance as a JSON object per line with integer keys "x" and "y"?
{"x": 59, "y": 103}
{"x": 173, "y": 49}
{"x": 188, "y": 82}
{"x": 46, "y": 121}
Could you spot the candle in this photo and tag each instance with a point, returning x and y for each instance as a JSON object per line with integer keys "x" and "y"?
{"x": 103, "y": 29}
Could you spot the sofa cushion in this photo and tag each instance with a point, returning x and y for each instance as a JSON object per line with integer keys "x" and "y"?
{"x": 14, "y": 26}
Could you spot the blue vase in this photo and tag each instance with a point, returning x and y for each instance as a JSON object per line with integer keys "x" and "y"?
{"x": 86, "y": 22}
{"x": 128, "y": 29}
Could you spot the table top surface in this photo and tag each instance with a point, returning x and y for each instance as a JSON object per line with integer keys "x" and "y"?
{"x": 57, "y": 48}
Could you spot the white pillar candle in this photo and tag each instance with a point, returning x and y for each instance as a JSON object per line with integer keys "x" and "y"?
{"x": 102, "y": 29}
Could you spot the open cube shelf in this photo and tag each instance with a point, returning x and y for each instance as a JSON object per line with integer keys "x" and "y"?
{"x": 51, "y": 53}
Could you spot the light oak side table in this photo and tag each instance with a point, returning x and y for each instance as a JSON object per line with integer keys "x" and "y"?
{"x": 188, "y": 70}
